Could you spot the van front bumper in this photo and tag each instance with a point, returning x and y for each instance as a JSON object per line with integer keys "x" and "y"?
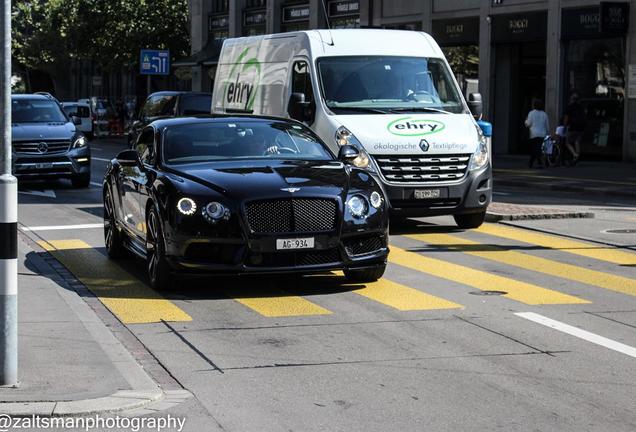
{"x": 470, "y": 195}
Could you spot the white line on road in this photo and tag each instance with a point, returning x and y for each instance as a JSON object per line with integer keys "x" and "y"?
{"x": 101, "y": 159}
{"x": 62, "y": 227}
{"x": 97, "y": 184}
{"x": 579, "y": 333}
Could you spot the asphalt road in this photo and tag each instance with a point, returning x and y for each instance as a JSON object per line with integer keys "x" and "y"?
{"x": 502, "y": 328}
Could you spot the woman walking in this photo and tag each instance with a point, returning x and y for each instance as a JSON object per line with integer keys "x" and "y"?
{"x": 539, "y": 126}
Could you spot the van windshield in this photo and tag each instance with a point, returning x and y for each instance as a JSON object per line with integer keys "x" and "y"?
{"x": 385, "y": 84}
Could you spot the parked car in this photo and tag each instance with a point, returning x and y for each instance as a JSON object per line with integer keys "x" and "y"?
{"x": 83, "y": 112}
{"x": 243, "y": 195}
{"x": 46, "y": 142}
{"x": 168, "y": 104}
{"x": 101, "y": 113}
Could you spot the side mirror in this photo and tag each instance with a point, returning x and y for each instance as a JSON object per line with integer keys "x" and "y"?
{"x": 136, "y": 124}
{"x": 76, "y": 120}
{"x": 348, "y": 153}
{"x": 298, "y": 107}
{"x": 128, "y": 158}
{"x": 475, "y": 105}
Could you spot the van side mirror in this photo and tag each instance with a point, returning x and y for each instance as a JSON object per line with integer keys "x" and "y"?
{"x": 348, "y": 153}
{"x": 128, "y": 158}
{"x": 475, "y": 105}
{"x": 298, "y": 107}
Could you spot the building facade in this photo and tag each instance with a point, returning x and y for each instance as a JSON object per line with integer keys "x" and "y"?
{"x": 511, "y": 51}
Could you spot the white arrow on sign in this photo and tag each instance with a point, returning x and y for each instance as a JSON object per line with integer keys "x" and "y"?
{"x": 45, "y": 193}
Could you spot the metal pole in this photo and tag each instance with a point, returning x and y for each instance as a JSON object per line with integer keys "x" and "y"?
{"x": 8, "y": 217}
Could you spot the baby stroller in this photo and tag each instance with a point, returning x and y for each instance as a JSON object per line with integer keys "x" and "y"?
{"x": 551, "y": 151}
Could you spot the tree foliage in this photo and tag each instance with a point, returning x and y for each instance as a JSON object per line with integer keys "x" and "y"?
{"x": 49, "y": 33}
{"x": 463, "y": 60}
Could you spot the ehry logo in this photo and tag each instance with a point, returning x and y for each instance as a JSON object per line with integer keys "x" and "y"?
{"x": 242, "y": 82}
{"x": 409, "y": 126}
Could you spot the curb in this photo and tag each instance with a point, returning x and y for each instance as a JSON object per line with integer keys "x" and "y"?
{"x": 498, "y": 217}
{"x": 563, "y": 188}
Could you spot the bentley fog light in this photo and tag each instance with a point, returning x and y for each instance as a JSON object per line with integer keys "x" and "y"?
{"x": 376, "y": 200}
{"x": 357, "y": 206}
{"x": 187, "y": 206}
{"x": 214, "y": 212}
{"x": 480, "y": 157}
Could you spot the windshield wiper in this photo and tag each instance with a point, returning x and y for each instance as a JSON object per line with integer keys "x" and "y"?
{"x": 360, "y": 109}
{"x": 419, "y": 109}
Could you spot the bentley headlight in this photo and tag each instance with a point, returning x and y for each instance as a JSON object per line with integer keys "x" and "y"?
{"x": 376, "y": 200}
{"x": 357, "y": 205}
{"x": 480, "y": 157}
{"x": 187, "y": 206}
{"x": 79, "y": 142}
{"x": 214, "y": 212}
{"x": 344, "y": 137}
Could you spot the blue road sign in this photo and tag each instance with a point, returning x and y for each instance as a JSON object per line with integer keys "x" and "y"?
{"x": 154, "y": 62}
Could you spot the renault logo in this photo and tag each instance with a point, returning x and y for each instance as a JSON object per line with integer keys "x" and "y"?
{"x": 43, "y": 147}
{"x": 290, "y": 190}
{"x": 424, "y": 145}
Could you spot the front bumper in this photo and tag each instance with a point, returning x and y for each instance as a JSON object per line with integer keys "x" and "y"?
{"x": 259, "y": 255}
{"x": 472, "y": 194}
{"x": 62, "y": 165}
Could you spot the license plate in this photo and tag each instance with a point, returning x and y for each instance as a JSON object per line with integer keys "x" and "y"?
{"x": 427, "y": 193}
{"x": 297, "y": 243}
{"x": 45, "y": 165}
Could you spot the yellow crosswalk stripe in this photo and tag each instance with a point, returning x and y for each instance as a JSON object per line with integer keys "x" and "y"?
{"x": 589, "y": 250}
{"x": 516, "y": 290}
{"x": 530, "y": 262}
{"x": 403, "y": 298}
{"x": 282, "y": 305}
{"x": 132, "y": 301}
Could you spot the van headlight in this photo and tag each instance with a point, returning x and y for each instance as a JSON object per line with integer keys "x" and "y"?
{"x": 345, "y": 137}
{"x": 480, "y": 157}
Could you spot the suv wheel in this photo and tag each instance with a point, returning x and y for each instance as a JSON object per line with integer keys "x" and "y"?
{"x": 469, "y": 221}
{"x": 81, "y": 180}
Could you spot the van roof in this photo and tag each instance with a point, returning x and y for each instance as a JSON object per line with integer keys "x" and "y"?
{"x": 341, "y": 42}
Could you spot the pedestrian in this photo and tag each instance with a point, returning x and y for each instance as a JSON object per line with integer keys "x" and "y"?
{"x": 575, "y": 121}
{"x": 539, "y": 127}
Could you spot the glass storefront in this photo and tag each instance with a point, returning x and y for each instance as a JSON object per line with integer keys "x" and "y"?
{"x": 254, "y": 22}
{"x": 295, "y": 17}
{"x": 218, "y": 27}
{"x": 595, "y": 73}
{"x": 344, "y": 14}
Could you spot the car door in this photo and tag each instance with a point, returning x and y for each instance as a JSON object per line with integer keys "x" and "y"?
{"x": 146, "y": 178}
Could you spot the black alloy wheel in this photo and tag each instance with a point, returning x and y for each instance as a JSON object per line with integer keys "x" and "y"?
{"x": 365, "y": 275}
{"x": 112, "y": 237}
{"x": 158, "y": 268}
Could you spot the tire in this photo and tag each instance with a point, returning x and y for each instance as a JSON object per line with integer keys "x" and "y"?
{"x": 470, "y": 221}
{"x": 112, "y": 236}
{"x": 159, "y": 272}
{"x": 81, "y": 181}
{"x": 366, "y": 274}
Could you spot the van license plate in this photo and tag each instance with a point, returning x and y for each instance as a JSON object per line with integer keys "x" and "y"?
{"x": 297, "y": 243}
{"x": 427, "y": 194}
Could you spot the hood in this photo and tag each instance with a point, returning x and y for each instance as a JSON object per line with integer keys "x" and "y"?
{"x": 266, "y": 178}
{"x": 42, "y": 131}
{"x": 403, "y": 133}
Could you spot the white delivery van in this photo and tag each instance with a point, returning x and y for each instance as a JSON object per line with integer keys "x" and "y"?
{"x": 390, "y": 93}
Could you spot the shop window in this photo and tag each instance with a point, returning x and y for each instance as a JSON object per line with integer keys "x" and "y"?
{"x": 219, "y": 6}
{"x": 464, "y": 62}
{"x": 595, "y": 73}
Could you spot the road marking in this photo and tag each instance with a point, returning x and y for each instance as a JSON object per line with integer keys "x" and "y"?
{"x": 97, "y": 184}
{"x": 45, "y": 193}
{"x": 403, "y": 298}
{"x": 516, "y": 290}
{"x": 535, "y": 175}
{"x": 101, "y": 159}
{"x": 282, "y": 305}
{"x": 63, "y": 227}
{"x": 589, "y": 250}
{"x": 530, "y": 262}
{"x": 131, "y": 300}
{"x": 579, "y": 333}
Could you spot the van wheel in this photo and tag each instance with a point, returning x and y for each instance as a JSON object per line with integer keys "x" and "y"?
{"x": 365, "y": 275}
{"x": 81, "y": 180}
{"x": 470, "y": 221}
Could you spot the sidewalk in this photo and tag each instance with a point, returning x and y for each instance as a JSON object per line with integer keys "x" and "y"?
{"x": 590, "y": 177}
{"x": 70, "y": 363}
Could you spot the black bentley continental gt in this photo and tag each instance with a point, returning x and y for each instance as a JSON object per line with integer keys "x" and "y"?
{"x": 221, "y": 194}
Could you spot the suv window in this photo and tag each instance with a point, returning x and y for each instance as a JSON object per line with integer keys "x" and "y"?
{"x": 195, "y": 104}
{"x": 36, "y": 111}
